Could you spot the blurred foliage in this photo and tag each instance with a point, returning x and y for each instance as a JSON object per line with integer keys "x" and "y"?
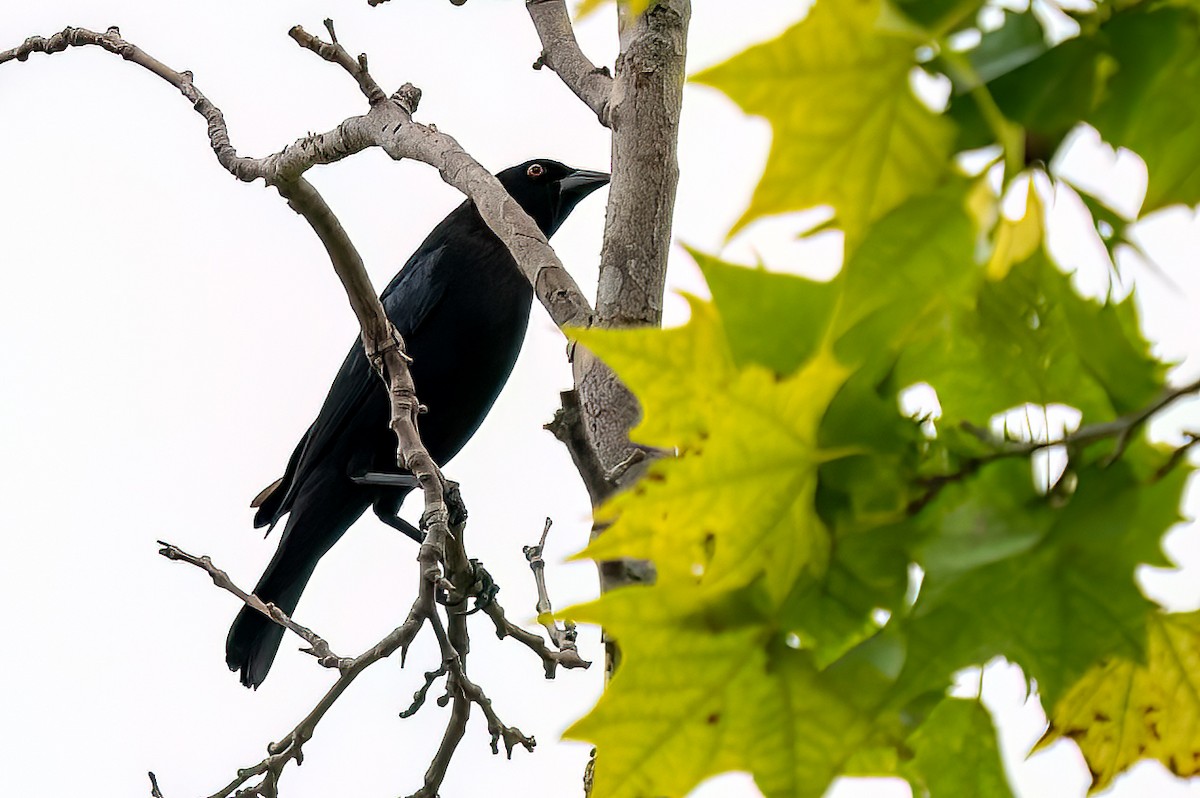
{"x": 827, "y": 563}
{"x": 585, "y": 7}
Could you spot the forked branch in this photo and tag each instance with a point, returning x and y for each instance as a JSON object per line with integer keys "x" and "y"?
{"x": 389, "y": 125}
{"x": 561, "y": 52}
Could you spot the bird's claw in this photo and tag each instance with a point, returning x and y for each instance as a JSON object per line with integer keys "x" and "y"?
{"x": 483, "y": 589}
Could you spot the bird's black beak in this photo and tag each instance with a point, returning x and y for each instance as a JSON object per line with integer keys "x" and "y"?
{"x": 580, "y": 183}
{"x": 571, "y": 190}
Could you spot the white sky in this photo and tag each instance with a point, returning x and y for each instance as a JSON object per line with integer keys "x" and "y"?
{"x": 169, "y": 333}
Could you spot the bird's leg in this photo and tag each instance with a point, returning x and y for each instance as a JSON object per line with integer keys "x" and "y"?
{"x": 483, "y": 588}
{"x": 385, "y": 479}
{"x": 386, "y": 512}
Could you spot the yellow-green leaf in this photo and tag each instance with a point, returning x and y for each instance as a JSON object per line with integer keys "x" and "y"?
{"x": 848, "y": 131}
{"x": 676, "y": 373}
{"x": 1124, "y": 711}
{"x": 738, "y": 501}
{"x": 586, "y": 7}
{"x": 1017, "y": 240}
{"x": 694, "y": 697}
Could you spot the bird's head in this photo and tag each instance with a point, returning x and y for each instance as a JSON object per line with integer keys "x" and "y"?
{"x": 549, "y": 190}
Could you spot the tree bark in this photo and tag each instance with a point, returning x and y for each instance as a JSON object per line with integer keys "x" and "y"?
{"x": 644, "y": 112}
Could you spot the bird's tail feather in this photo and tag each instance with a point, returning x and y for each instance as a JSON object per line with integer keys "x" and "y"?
{"x": 254, "y": 638}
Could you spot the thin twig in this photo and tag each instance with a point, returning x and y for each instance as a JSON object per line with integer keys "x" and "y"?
{"x": 423, "y": 691}
{"x": 561, "y": 52}
{"x": 387, "y": 125}
{"x": 563, "y": 639}
{"x": 1120, "y": 429}
{"x": 291, "y": 746}
{"x": 567, "y": 654}
{"x": 1177, "y": 456}
{"x": 614, "y": 474}
{"x": 551, "y": 659}
{"x": 317, "y": 646}
{"x": 456, "y": 644}
{"x": 456, "y": 724}
{"x": 568, "y": 427}
{"x": 334, "y": 53}
{"x": 510, "y": 735}
{"x": 284, "y": 170}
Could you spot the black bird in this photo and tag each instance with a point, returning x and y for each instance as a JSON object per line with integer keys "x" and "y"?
{"x": 462, "y": 306}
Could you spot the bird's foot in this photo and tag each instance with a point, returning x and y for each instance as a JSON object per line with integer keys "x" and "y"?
{"x": 483, "y": 589}
{"x": 455, "y": 505}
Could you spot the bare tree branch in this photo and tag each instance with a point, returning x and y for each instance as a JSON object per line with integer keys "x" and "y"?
{"x": 570, "y": 428}
{"x": 456, "y": 726}
{"x": 635, "y": 457}
{"x": 567, "y": 653}
{"x": 641, "y": 201}
{"x": 283, "y": 170}
{"x": 561, "y": 52}
{"x": 387, "y": 125}
{"x": 551, "y": 659}
{"x": 564, "y": 638}
{"x": 645, "y": 102}
{"x": 317, "y": 645}
{"x": 290, "y": 747}
{"x": 335, "y": 53}
{"x": 423, "y": 691}
{"x": 510, "y": 735}
{"x": 454, "y": 643}
{"x": 1120, "y": 430}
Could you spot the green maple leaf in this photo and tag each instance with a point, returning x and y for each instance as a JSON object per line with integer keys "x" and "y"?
{"x": 1047, "y": 95}
{"x": 913, "y": 269}
{"x": 1124, "y": 710}
{"x": 780, "y": 322}
{"x": 1043, "y": 343}
{"x": 956, "y": 754}
{"x": 1010, "y": 574}
{"x": 737, "y": 502}
{"x": 918, "y": 306}
{"x": 696, "y": 696}
{"x": 848, "y": 132}
{"x": 1130, "y": 77}
{"x": 1152, "y": 106}
{"x": 938, "y": 15}
{"x": 586, "y": 7}
{"x": 1016, "y": 42}
{"x": 664, "y": 368}
{"x": 786, "y": 516}
{"x": 775, "y": 320}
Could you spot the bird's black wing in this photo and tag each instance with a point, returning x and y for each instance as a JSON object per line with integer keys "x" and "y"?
{"x": 408, "y": 301}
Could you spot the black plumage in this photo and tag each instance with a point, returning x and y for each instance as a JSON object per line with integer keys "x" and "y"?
{"x": 462, "y": 306}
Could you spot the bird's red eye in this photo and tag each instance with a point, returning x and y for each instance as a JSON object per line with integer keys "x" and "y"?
{"x": 535, "y": 170}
